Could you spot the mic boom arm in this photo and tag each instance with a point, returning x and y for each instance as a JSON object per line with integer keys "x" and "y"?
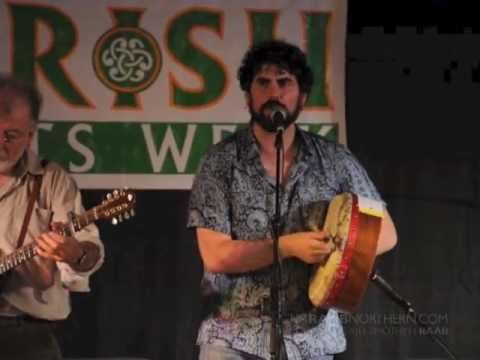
{"x": 381, "y": 283}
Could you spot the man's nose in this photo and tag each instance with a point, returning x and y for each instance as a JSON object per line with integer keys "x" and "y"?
{"x": 275, "y": 91}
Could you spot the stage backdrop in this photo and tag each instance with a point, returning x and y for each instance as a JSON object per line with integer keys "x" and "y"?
{"x": 136, "y": 91}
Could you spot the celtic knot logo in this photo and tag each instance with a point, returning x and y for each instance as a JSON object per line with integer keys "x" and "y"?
{"x": 127, "y": 59}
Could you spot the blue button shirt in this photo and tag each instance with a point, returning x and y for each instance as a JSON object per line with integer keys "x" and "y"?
{"x": 232, "y": 194}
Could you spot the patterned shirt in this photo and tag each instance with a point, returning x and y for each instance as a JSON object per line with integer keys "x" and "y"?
{"x": 232, "y": 194}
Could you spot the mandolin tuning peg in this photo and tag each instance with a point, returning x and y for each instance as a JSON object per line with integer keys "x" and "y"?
{"x": 115, "y": 193}
{"x": 126, "y": 215}
{"x": 132, "y": 212}
{"x": 114, "y": 221}
{"x": 120, "y": 218}
{"x": 109, "y": 196}
{"x": 130, "y": 197}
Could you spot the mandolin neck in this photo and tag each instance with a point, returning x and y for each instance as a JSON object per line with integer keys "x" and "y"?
{"x": 16, "y": 258}
{"x": 117, "y": 207}
{"x": 28, "y": 251}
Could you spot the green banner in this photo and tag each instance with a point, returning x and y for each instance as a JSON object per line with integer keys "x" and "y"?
{"x": 134, "y": 96}
{"x": 130, "y": 148}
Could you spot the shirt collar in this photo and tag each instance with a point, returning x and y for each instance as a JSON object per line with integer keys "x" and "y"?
{"x": 305, "y": 144}
{"x": 249, "y": 146}
{"x": 28, "y": 163}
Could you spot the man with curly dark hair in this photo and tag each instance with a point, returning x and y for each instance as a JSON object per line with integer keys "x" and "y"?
{"x": 232, "y": 206}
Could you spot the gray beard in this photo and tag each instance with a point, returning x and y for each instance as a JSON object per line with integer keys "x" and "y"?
{"x": 8, "y": 164}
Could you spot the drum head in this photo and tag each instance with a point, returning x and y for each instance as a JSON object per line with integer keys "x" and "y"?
{"x": 337, "y": 228}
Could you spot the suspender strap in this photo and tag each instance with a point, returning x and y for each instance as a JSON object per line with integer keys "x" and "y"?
{"x": 31, "y": 200}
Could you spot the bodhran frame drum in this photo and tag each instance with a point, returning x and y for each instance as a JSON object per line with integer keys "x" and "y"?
{"x": 352, "y": 223}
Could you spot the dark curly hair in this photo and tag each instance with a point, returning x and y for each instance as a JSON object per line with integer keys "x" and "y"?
{"x": 277, "y": 52}
{"x": 23, "y": 89}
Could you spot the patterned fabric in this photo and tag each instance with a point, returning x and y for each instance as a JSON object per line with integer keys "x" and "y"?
{"x": 232, "y": 194}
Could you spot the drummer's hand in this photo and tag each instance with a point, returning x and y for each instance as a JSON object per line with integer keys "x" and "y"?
{"x": 310, "y": 247}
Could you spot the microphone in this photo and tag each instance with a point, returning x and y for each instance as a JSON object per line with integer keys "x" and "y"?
{"x": 278, "y": 115}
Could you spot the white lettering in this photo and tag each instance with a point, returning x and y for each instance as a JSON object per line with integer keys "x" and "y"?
{"x": 324, "y": 130}
{"x": 219, "y": 130}
{"x": 80, "y": 148}
{"x": 180, "y": 158}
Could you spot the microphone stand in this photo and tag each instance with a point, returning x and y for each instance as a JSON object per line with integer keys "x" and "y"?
{"x": 277, "y": 345}
{"x": 407, "y": 307}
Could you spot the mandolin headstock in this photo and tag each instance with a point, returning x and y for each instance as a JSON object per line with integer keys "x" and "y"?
{"x": 117, "y": 206}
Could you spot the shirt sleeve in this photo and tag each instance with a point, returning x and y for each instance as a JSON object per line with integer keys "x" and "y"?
{"x": 65, "y": 197}
{"x": 209, "y": 205}
{"x": 73, "y": 280}
{"x": 352, "y": 175}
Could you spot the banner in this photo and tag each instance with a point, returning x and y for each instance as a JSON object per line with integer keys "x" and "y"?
{"x": 136, "y": 91}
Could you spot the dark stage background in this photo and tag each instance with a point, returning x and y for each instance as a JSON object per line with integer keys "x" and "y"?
{"x": 413, "y": 81}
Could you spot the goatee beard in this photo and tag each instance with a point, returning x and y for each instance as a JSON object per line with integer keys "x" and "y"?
{"x": 266, "y": 123}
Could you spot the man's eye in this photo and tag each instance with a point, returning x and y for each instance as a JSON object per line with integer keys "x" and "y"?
{"x": 263, "y": 82}
{"x": 11, "y": 136}
{"x": 284, "y": 82}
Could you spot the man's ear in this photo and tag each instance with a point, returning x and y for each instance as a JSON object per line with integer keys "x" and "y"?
{"x": 303, "y": 98}
{"x": 31, "y": 132}
{"x": 248, "y": 98}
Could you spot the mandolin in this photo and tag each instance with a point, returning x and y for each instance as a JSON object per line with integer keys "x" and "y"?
{"x": 117, "y": 206}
